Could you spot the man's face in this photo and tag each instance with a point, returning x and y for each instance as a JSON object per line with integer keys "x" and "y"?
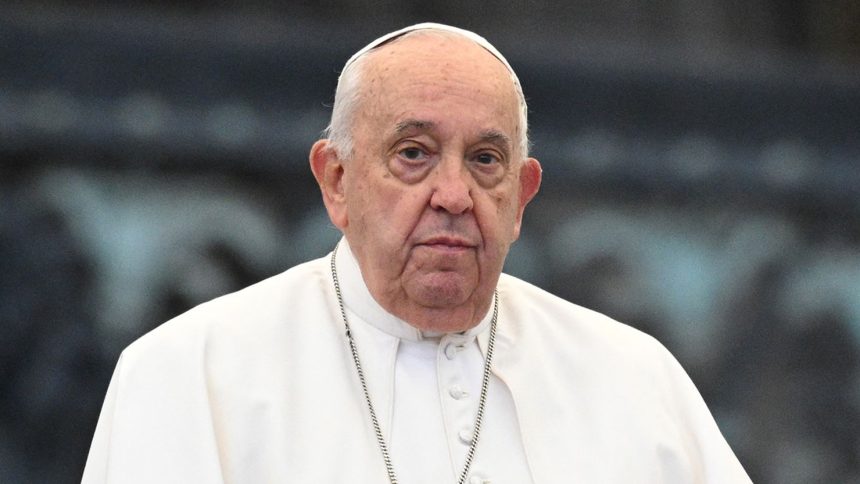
{"x": 434, "y": 192}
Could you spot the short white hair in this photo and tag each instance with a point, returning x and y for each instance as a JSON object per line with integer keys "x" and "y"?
{"x": 348, "y": 93}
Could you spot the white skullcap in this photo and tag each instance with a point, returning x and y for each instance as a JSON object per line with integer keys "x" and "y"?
{"x": 434, "y": 26}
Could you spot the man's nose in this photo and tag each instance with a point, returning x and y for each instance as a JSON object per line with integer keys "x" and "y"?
{"x": 452, "y": 188}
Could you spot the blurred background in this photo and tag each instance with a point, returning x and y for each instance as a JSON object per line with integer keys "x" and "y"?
{"x": 702, "y": 182}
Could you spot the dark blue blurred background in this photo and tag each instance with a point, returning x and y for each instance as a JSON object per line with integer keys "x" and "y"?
{"x": 702, "y": 183}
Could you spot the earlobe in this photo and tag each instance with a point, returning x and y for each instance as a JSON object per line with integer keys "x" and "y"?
{"x": 328, "y": 171}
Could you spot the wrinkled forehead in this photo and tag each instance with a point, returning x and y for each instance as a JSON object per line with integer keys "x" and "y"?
{"x": 433, "y": 27}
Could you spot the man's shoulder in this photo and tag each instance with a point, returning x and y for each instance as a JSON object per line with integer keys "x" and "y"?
{"x": 540, "y": 315}
{"x": 596, "y": 351}
{"x": 254, "y": 310}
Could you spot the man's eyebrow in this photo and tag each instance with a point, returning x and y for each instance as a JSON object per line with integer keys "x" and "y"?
{"x": 493, "y": 136}
{"x": 497, "y": 138}
{"x": 413, "y": 124}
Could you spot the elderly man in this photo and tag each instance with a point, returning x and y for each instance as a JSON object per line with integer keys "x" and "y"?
{"x": 405, "y": 355}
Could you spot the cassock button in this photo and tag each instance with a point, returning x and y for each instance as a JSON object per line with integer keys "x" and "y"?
{"x": 457, "y": 393}
{"x": 451, "y": 351}
{"x": 465, "y": 436}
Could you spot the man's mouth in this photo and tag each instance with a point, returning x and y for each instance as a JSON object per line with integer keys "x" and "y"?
{"x": 453, "y": 244}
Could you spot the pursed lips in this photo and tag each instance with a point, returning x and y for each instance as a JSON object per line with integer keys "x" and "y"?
{"x": 453, "y": 244}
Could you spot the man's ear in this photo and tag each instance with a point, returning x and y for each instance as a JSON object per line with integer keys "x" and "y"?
{"x": 530, "y": 178}
{"x": 328, "y": 170}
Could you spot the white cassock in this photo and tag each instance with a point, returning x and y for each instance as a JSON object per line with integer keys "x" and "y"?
{"x": 259, "y": 386}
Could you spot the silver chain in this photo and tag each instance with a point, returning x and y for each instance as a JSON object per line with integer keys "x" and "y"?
{"x": 485, "y": 381}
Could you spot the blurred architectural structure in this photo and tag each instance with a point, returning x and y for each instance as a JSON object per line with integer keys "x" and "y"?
{"x": 702, "y": 183}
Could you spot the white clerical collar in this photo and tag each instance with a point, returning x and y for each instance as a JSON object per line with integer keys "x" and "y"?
{"x": 358, "y": 299}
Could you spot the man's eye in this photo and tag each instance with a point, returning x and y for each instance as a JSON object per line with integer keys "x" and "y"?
{"x": 412, "y": 154}
{"x": 486, "y": 158}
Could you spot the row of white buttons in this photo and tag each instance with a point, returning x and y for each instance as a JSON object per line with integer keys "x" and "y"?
{"x": 458, "y": 393}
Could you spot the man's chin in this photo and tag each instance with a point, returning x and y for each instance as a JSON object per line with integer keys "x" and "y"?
{"x": 442, "y": 290}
